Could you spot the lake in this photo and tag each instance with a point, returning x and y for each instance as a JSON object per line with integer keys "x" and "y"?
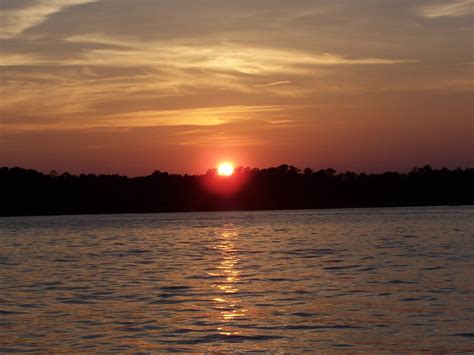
{"x": 394, "y": 279}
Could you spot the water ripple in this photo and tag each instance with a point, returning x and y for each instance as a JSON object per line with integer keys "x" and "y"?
{"x": 370, "y": 280}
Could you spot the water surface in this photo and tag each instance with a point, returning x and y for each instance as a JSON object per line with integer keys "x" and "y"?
{"x": 364, "y": 279}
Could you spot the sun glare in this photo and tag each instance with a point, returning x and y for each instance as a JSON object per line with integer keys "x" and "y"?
{"x": 225, "y": 169}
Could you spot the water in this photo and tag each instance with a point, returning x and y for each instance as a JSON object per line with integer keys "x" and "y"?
{"x": 372, "y": 279}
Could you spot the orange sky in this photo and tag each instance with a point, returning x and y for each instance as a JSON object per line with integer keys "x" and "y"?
{"x": 132, "y": 86}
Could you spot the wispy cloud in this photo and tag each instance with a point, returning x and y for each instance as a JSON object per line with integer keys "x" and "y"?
{"x": 272, "y": 84}
{"x": 205, "y": 116}
{"x": 447, "y": 8}
{"x": 16, "y": 19}
{"x": 101, "y": 81}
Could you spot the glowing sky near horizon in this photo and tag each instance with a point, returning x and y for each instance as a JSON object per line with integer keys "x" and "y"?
{"x": 122, "y": 86}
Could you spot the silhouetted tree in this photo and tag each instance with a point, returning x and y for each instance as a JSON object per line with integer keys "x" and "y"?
{"x": 29, "y": 192}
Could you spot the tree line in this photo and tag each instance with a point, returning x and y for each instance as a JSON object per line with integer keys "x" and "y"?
{"x": 29, "y": 192}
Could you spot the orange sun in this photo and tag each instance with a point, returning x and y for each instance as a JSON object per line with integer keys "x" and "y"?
{"x": 225, "y": 169}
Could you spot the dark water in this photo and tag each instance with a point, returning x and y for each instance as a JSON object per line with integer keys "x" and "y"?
{"x": 375, "y": 279}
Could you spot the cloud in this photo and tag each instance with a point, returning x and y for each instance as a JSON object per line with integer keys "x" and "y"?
{"x": 272, "y": 84}
{"x": 452, "y": 8}
{"x": 124, "y": 63}
{"x": 17, "y": 16}
{"x": 90, "y": 78}
{"x": 220, "y": 56}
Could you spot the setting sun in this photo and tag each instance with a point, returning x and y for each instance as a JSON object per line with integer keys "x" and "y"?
{"x": 225, "y": 169}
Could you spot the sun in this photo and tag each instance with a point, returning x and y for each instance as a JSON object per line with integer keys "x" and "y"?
{"x": 225, "y": 169}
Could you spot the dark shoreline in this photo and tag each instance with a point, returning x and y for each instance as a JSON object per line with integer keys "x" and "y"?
{"x": 230, "y": 211}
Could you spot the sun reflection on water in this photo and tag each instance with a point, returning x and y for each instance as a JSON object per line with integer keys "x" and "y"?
{"x": 228, "y": 303}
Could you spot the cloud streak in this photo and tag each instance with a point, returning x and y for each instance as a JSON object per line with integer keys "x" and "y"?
{"x": 272, "y": 84}
{"x": 16, "y": 19}
{"x": 453, "y": 8}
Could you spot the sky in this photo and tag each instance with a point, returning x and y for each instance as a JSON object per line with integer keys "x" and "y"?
{"x": 133, "y": 86}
